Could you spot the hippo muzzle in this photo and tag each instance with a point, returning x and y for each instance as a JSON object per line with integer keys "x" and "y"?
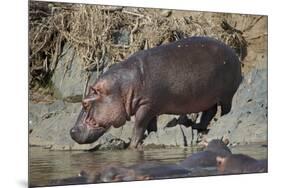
{"x": 83, "y": 134}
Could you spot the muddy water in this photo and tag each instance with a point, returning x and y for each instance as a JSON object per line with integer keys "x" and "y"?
{"x": 46, "y": 165}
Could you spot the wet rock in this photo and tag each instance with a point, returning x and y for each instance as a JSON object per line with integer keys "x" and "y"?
{"x": 112, "y": 143}
{"x": 124, "y": 132}
{"x": 247, "y": 120}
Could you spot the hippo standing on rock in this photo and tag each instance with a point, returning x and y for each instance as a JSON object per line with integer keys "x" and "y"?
{"x": 191, "y": 75}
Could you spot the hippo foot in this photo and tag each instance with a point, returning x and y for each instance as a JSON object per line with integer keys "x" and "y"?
{"x": 135, "y": 146}
{"x": 139, "y": 147}
{"x": 200, "y": 128}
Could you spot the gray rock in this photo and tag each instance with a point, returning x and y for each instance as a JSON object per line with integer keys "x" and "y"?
{"x": 247, "y": 120}
{"x": 171, "y": 135}
{"x": 121, "y": 37}
{"x": 69, "y": 78}
{"x": 166, "y": 13}
{"x": 49, "y": 126}
{"x": 37, "y": 112}
{"x": 124, "y": 133}
{"x": 109, "y": 142}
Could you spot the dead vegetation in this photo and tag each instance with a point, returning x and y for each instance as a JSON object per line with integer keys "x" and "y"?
{"x": 103, "y": 32}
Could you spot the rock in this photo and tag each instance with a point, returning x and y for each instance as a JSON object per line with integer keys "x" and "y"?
{"x": 166, "y": 13}
{"x": 49, "y": 126}
{"x": 37, "y": 112}
{"x": 121, "y": 37}
{"x": 69, "y": 77}
{"x": 247, "y": 120}
{"x": 169, "y": 133}
{"x": 109, "y": 142}
{"x": 124, "y": 133}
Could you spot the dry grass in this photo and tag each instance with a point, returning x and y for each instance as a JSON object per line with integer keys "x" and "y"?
{"x": 94, "y": 30}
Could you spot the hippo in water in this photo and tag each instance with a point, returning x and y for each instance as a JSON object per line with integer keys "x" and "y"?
{"x": 240, "y": 163}
{"x": 143, "y": 171}
{"x": 207, "y": 158}
{"x": 191, "y": 75}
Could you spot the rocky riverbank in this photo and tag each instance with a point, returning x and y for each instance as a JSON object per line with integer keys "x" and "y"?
{"x": 55, "y": 103}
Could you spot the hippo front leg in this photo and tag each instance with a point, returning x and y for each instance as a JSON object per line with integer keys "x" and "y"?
{"x": 143, "y": 117}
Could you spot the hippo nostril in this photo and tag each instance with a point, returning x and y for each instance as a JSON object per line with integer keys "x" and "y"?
{"x": 74, "y": 130}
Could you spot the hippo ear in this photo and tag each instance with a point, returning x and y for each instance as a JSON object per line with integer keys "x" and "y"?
{"x": 220, "y": 160}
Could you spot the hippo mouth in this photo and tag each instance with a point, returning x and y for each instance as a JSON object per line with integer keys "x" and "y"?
{"x": 85, "y": 135}
{"x": 82, "y": 133}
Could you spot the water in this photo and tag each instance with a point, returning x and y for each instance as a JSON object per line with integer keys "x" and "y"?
{"x": 46, "y": 165}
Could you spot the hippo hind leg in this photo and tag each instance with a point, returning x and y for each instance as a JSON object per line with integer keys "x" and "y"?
{"x": 225, "y": 107}
{"x": 152, "y": 125}
{"x": 207, "y": 116}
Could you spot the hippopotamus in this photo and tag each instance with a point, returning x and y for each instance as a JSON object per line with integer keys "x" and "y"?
{"x": 191, "y": 75}
{"x": 81, "y": 178}
{"x": 144, "y": 171}
{"x": 240, "y": 163}
{"x": 208, "y": 157}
